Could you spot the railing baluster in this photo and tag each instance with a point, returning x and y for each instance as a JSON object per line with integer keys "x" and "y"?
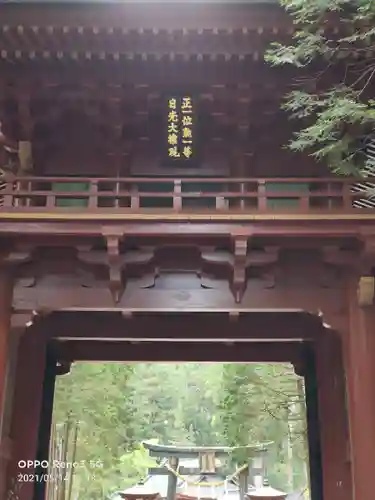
{"x": 16, "y": 202}
{"x": 242, "y": 200}
{"x": 304, "y": 201}
{"x": 324, "y": 194}
{"x": 29, "y": 190}
{"x": 23, "y": 201}
{"x": 33, "y": 200}
{"x": 221, "y": 203}
{"x": 117, "y": 191}
{"x": 8, "y": 198}
{"x": 134, "y": 198}
{"x": 51, "y": 197}
{"x": 262, "y": 195}
{"x": 177, "y": 199}
{"x": 93, "y": 194}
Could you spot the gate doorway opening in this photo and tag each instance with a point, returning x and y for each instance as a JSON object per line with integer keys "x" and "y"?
{"x": 293, "y": 338}
{"x": 111, "y": 419}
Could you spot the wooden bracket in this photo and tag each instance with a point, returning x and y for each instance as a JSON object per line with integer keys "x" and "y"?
{"x": 16, "y": 257}
{"x": 239, "y": 267}
{"x": 335, "y": 262}
{"x": 269, "y": 258}
{"x": 243, "y": 259}
{"x": 115, "y": 263}
{"x": 44, "y": 262}
{"x": 334, "y": 255}
{"x": 240, "y": 260}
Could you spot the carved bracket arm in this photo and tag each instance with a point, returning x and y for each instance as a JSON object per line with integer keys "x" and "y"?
{"x": 240, "y": 261}
{"x": 115, "y": 263}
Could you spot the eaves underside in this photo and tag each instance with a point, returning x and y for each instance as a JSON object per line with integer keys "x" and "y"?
{"x": 82, "y": 25}
{"x": 145, "y": 14}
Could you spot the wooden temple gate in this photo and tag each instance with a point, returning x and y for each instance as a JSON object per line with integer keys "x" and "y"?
{"x": 275, "y": 332}
{"x": 114, "y": 249}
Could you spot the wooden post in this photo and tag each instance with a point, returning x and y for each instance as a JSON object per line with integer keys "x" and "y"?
{"x": 312, "y": 411}
{"x": 93, "y": 196}
{"x": 360, "y": 374}
{"x": 332, "y": 408}
{"x": 27, "y": 406}
{"x": 243, "y": 483}
{"x": 6, "y": 442}
{"x": 45, "y": 422}
{"x": 6, "y": 292}
{"x": 172, "y": 479}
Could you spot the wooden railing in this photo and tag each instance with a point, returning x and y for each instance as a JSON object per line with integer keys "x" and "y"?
{"x": 175, "y": 195}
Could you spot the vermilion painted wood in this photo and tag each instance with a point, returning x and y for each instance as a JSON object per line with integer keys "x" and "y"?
{"x": 215, "y": 325}
{"x": 179, "y": 352}
{"x": 27, "y": 401}
{"x": 5, "y": 317}
{"x": 359, "y": 343}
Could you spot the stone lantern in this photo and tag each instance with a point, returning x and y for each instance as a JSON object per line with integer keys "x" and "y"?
{"x": 266, "y": 492}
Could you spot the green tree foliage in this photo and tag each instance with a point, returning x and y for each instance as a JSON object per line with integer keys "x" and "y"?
{"x": 120, "y": 405}
{"x": 134, "y": 465}
{"x": 263, "y": 403}
{"x": 98, "y": 398}
{"x": 176, "y": 403}
{"x": 333, "y": 51}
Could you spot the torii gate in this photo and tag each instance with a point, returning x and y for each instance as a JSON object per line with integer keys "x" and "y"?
{"x": 207, "y": 462}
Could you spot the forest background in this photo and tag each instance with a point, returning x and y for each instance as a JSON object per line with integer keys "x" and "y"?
{"x": 118, "y": 405}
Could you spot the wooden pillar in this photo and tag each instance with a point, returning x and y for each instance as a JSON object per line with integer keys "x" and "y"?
{"x": 14, "y": 338}
{"x": 313, "y": 425}
{"x": 360, "y": 374}
{"x": 27, "y": 408}
{"x": 8, "y": 402}
{"x": 45, "y": 421}
{"x": 172, "y": 479}
{"x": 243, "y": 482}
{"x": 334, "y": 434}
{"x": 6, "y": 292}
